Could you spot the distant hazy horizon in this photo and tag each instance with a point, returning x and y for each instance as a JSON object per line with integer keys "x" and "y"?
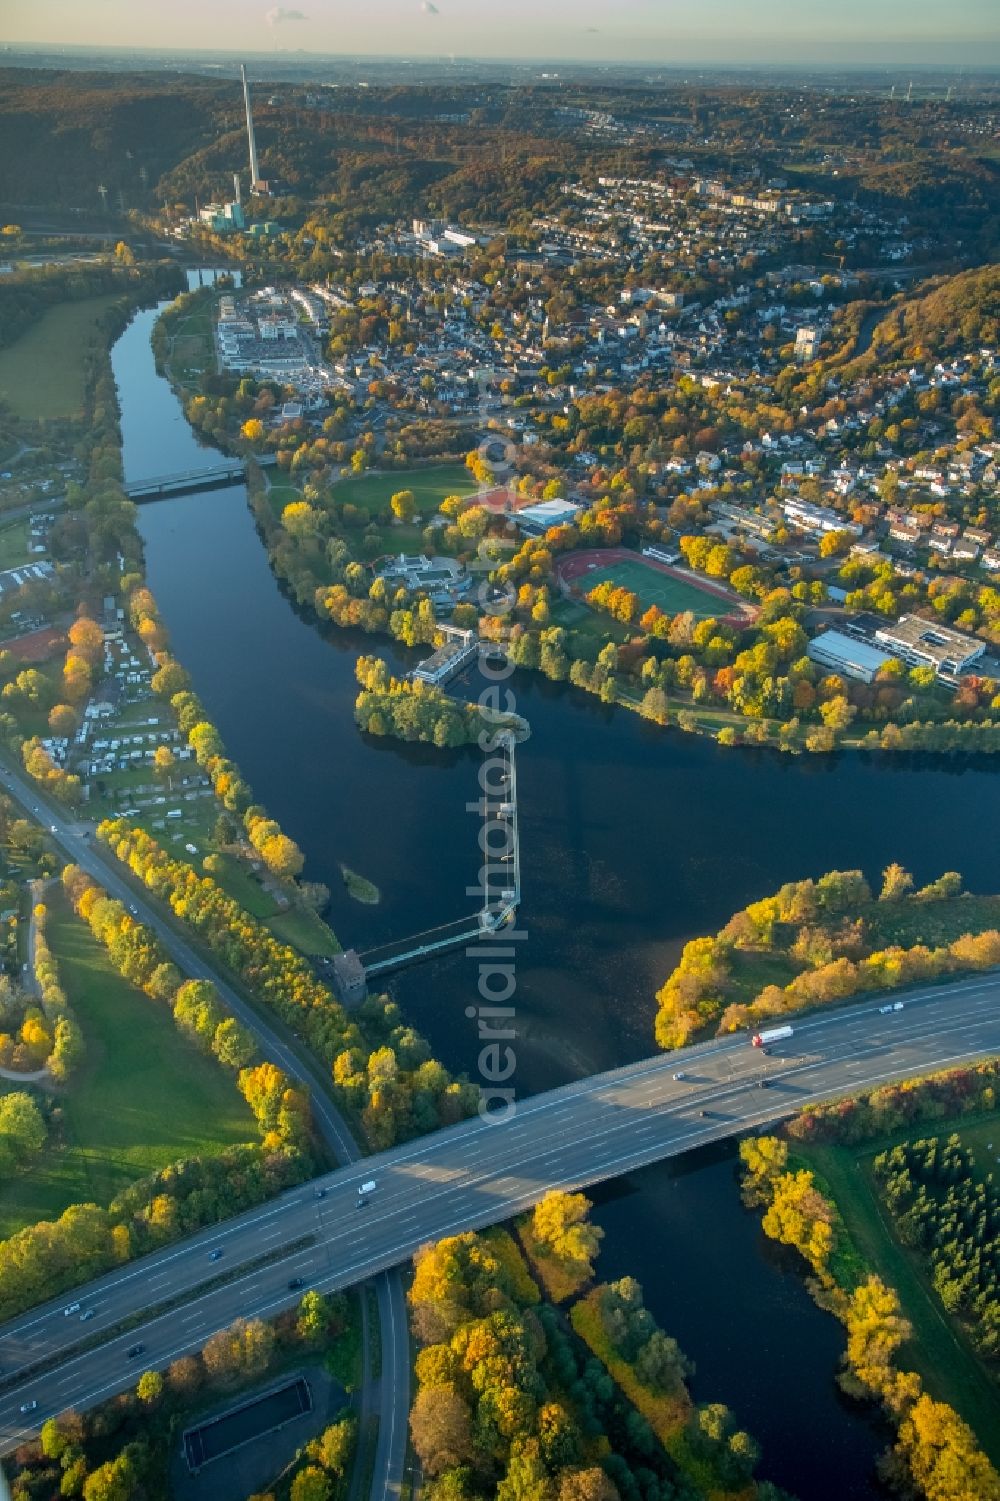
{"x": 717, "y": 33}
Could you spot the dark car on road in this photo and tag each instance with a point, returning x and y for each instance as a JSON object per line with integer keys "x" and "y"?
{"x": 296, "y": 1282}
{"x": 135, "y": 1350}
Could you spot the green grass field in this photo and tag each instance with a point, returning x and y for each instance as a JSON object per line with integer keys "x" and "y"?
{"x": 371, "y": 492}
{"x": 588, "y": 629}
{"x": 143, "y": 1098}
{"x": 656, "y": 588}
{"x": 281, "y": 491}
{"x": 305, "y": 931}
{"x": 14, "y": 544}
{"x": 42, "y": 373}
{"x": 192, "y": 345}
{"x": 938, "y": 1351}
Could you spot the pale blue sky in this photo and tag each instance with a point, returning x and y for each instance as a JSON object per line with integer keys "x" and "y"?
{"x": 656, "y": 31}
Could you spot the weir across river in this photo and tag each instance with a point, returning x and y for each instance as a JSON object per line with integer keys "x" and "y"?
{"x": 500, "y": 886}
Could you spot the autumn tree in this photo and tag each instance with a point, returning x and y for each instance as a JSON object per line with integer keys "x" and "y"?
{"x": 244, "y": 1349}
{"x": 335, "y": 1445}
{"x": 169, "y": 678}
{"x": 560, "y": 1227}
{"x": 586, "y": 1485}
{"x": 301, "y": 520}
{"x": 404, "y": 505}
{"x": 441, "y": 1428}
{"x": 661, "y": 1364}
{"x": 63, "y": 720}
{"x": 149, "y": 1388}
{"x": 313, "y": 1317}
{"x": 87, "y": 639}
{"x": 896, "y": 883}
{"x": 942, "y": 1456}
{"x": 311, "y": 1484}
{"x": 164, "y": 762}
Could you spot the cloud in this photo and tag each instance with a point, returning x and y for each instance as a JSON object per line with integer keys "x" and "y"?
{"x": 429, "y": 8}
{"x": 278, "y": 14}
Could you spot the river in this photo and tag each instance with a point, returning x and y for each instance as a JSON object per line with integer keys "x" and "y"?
{"x": 633, "y": 839}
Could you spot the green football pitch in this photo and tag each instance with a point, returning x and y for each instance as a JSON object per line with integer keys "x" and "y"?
{"x": 652, "y": 587}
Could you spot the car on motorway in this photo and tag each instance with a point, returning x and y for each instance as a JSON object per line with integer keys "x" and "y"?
{"x": 53, "y": 829}
{"x": 763, "y": 1084}
{"x": 88, "y": 1313}
{"x": 319, "y": 1193}
{"x": 893, "y": 1006}
{"x": 28, "y": 1406}
{"x": 214, "y": 1255}
{"x": 295, "y": 1283}
{"x": 71, "y": 1308}
{"x": 134, "y": 1351}
{"x": 134, "y": 911}
{"x": 680, "y": 1076}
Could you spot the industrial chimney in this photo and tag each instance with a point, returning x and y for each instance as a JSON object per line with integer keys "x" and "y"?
{"x": 254, "y": 172}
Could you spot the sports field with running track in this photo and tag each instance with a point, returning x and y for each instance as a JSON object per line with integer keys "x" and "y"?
{"x": 653, "y": 583}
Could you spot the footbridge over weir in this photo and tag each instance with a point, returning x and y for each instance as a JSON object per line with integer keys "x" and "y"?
{"x": 350, "y": 972}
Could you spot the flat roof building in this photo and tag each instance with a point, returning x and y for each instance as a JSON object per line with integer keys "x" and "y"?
{"x": 537, "y": 519}
{"x": 818, "y": 519}
{"x": 925, "y": 643}
{"x": 847, "y": 655}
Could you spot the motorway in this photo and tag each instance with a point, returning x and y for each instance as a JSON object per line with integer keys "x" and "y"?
{"x": 74, "y": 838}
{"x": 468, "y": 1176}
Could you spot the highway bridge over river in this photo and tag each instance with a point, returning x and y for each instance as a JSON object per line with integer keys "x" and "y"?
{"x": 465, "y": 1177}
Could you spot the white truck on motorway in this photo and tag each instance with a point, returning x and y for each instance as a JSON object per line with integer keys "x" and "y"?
{"x": 771, "y": 1034}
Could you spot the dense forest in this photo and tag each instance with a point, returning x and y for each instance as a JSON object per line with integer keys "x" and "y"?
{"x": 955, "y": 313}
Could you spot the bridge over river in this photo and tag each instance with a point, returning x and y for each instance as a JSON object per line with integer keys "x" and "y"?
{"x": 188, "y": 481}
{"x": 468, "y": 1176}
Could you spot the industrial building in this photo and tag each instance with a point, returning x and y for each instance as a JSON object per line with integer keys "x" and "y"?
{"x": 848, "y": 655}
{"x": 925, "y": 643}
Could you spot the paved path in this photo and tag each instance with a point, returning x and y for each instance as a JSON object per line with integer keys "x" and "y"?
{"x": 37, "y": 1076}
